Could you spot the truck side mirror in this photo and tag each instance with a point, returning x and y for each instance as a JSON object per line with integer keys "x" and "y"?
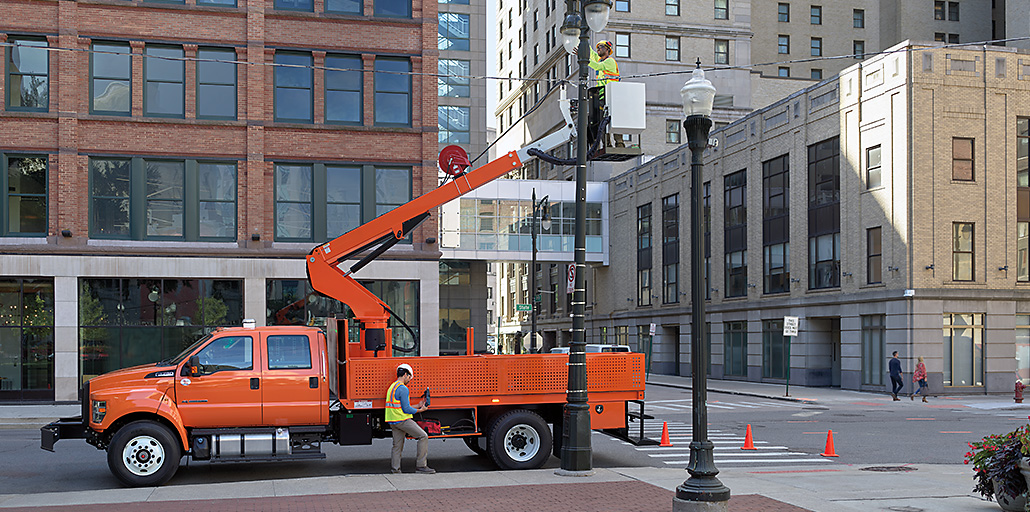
{"x": 193, "y": 366}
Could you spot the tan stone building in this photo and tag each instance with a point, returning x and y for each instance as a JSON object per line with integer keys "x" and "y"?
{"x": 887, "y": 207}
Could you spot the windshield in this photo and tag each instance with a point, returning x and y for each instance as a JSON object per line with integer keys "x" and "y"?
{"x": 182, "y": 355}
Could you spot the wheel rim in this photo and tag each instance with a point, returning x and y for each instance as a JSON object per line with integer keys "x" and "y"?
{"x": 521, "y": 442}
{"x": 143, "y": 455}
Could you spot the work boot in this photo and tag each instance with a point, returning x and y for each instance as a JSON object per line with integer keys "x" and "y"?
{"x": 426, "y": 470}
{"x": 395, "y": 471}
{"x": 895, "y": 397}
{"x": 913, "y": 397}
{"x": 924, "y": 400}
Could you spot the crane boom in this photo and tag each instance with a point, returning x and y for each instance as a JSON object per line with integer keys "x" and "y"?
{"x": 381, "y": 233}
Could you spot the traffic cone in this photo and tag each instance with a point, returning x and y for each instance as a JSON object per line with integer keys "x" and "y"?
{"x": 665, "y": 435}
{"x": 749, "y": 444}
{"x": 829, "y": 445}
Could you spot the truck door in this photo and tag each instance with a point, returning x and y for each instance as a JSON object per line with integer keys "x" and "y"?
{"x": 227, "y": 390}
{"x": 295, "y": 390}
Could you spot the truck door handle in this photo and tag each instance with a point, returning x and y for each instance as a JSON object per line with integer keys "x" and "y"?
{"x": 254, "y": 383}
{"x": 313, "y": 382}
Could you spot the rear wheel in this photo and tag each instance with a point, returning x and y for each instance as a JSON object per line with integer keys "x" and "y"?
{"x": 144, "y": 453}
{"x": 476, "y": 444}
{"x": 519, "y": 439}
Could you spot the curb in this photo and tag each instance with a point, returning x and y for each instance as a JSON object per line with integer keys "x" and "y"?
{"x": 734, "y": 392}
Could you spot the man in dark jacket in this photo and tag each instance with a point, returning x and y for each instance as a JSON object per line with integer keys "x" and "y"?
{"x": 896, "y": 381}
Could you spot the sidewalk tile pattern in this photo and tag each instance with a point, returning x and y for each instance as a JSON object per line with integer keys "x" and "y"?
{"x": 588, "y": 497}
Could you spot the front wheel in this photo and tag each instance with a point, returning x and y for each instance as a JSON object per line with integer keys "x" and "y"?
{"x": 519, "y": 439}
{"x": 144, "y": 453}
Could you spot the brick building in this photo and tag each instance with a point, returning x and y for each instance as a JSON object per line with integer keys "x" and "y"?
{"x": 887, "y": 207}
{"x": 167, "y": 165}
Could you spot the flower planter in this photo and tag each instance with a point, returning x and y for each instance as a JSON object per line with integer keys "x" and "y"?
{"x": 1011, "y": 503}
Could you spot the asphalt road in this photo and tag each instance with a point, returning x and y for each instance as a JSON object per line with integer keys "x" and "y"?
{"x": 788, "y": 435}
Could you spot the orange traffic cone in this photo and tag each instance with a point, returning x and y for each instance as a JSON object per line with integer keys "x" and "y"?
{"x": 749, "y": 444}
{"x": 829, "y": 445}
{"x": 665, "y": 435}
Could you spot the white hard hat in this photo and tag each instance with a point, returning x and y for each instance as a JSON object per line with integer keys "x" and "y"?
{"x": 407, "y": 367}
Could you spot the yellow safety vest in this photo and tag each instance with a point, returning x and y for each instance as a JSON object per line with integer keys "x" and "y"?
{"x": 394, "y": 412}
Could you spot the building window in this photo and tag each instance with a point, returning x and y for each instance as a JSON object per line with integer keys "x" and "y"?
{"x": 670, "y": 249}
{"x": 622, "y": 45}
{"x": 706, "y": 190}
{"x": 644, "y": 255}
{"x": 858, "y": 18}
{"x": 817, "y": 15}
{"x": 734, "y": 358}
{"x": 952, "y": 11}
{"x": 536, "y": 20}
{"x": 776, "y": 224}
{"x": 621, "y": 5}
{"x": 216, "y": 84}
{"x": 817, "y": 74}
{"x": 352, "y": 6}
{"x": 783, "y": 12}
{"x": 1023, "y": 251}
{"x": 26, "y": 339}
{"x": 23, "y": 207}
{"x": 164, "y": 72}
{"x": 962, "y": 251}
{"x": 774, "y": 350}
{"x": 735, "y": 239}
{"x": 453, "y": 81}
{"x": 874, "y": 255}
{"x": 343, "y": 89}
{"x": 295, "y": 5}
{"x": 783, "y": 72}
{"x": 873, "y": 350}
{"x": 783, "y": 44}
{"x": 964, "y": 349}
{"x": 454, "y": 124}
{"x": 1022, "y": 198}
{"x": 824, "y": 214}
{"x": 393, "y": 8}
{"x": 1023, "y": 347}
{"x": 858, "y": 48}
{"x": 28, "y": 75}
{"x": 453, "y": 32}
{"x": 940, "y": 37}
{"x": 672, "y": 131}
{"x": 294, "y": 87}
{"x": 722, "y": 51}
{"x": 392, "y": 91}
{"x": 672, "y": 48}
{"x": 873, "y": 177}
{"x": 111, "y": 79}
{"x": 672, "y": 7}
{"x": 962, "y": 159}
{"x": 938, "y": 10}
{"x": 817, "y": 46}
{"x": 722, "y": 9}
{"x": 952, "y": 38}
{"x": 164, "y": 208}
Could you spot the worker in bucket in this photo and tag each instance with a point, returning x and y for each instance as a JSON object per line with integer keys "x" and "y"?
{"x": 604, "y": 63}
{"x": 398, "y": 416}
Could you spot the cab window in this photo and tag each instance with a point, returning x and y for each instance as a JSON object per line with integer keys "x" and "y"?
{"x": 227, "y": 353}
{"x": 289, "y": 352}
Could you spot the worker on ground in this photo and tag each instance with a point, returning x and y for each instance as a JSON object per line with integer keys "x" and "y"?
{"x": 398, "y": 416}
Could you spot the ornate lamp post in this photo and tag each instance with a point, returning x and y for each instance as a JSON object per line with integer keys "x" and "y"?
{"x": 545, "y": 223}
{"x": 702, "y": 491}
{"x": 576, "y": 450}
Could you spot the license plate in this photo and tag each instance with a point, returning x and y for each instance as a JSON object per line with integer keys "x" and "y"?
{"x": 363, "y": 404}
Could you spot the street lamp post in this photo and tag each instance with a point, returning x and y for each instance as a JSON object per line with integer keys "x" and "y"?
{"x": 575, "y": 450}
{"x": 545, "y": 223}
{"x": 702, "y": 491}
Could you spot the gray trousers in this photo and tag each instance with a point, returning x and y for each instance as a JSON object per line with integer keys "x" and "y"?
{"x": 412, "y": 429}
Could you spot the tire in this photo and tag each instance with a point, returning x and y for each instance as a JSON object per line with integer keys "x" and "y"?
{"x": 473, "y": 444}
{"x": 144, "y": 454}
{"x": 519, "y": 439}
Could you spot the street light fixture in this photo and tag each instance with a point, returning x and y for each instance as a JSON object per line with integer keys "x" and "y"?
{"x": 575, "y": 449}
{"x": 702, "y": 491}
{"x": 545, "y": 223}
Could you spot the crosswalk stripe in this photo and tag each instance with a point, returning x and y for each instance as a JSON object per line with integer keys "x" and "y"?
{"x": 752, "y": 461}
{"x": 717, "y": 448}
{"x": 769, "y": 454}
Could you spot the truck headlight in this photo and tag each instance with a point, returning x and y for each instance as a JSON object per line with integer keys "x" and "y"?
{"x": 99, "y": 410}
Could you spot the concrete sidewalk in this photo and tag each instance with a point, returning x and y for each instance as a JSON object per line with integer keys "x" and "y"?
{"x": 842, "y": 488}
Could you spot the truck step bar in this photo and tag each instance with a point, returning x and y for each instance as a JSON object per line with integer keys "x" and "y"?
{"x": 637, "y": 416}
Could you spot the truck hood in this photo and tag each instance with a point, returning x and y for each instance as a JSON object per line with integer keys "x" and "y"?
{"x": 131, "y": 374}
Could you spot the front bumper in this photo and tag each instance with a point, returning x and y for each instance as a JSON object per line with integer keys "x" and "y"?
{"x": 64, "y": 428}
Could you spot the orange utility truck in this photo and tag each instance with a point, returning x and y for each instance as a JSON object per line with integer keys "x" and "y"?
{"x": 277, "y": 393}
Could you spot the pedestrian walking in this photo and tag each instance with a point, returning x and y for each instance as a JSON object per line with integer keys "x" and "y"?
{"x": 398, "y": 416}
{"x": 919, "y": 377}
{"x": 895, "y": 370}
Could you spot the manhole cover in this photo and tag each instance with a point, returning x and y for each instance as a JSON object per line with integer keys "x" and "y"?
{"x": 889, "y": 469}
